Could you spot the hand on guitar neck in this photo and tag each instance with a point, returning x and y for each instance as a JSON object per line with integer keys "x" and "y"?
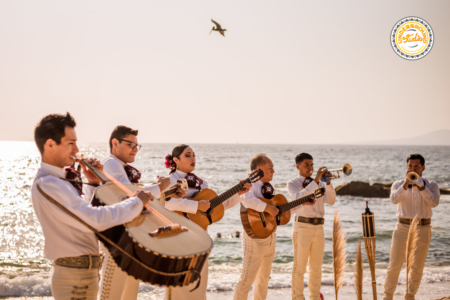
{"x": 245, "y": 188}
{"x": 90, "y": 176}
{"x": 311, "y": 202}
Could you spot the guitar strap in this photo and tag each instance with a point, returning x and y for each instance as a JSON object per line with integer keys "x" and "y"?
{"x": 117, "y": 246}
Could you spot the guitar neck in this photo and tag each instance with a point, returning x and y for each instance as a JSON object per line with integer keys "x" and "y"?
{"x": 100, "y": 174}
{"x": 295, "y": 203}
{"x": 226, "y": 195}
{"x": 170, "y": 192}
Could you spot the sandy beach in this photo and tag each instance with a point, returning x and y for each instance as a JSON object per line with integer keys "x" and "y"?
{"x": 437, "y": 292}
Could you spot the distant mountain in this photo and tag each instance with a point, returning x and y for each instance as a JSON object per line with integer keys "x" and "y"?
{"x": 434, "y": 138}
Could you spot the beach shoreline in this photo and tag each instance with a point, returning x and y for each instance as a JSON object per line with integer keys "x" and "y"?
{"x": 427, "y": 291}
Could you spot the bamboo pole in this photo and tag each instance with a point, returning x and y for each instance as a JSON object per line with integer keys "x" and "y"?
{"x": 368, "y": 221}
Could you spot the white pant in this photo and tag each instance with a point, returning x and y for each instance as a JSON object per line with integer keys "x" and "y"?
{"x": 116, "y": 284}
{"x": 257, "y": 259}
{"x": 309, "y": 246}
{"x": 184, "y": 293}
{"x": 74, "y": 283}
{"x": 398, "y": 256}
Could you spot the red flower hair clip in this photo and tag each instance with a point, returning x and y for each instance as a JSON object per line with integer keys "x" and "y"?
{"x": 170, "y": 164}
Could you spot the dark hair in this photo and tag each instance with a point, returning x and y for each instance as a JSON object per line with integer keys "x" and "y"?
{"x": 301, "y": 157}
{"x": 52, "y": 127}
{"x": 176, "y": 152}
{"x": 258, "y": 160}
{"x": 119, "y": 133}
{"x": 416, "y": 156}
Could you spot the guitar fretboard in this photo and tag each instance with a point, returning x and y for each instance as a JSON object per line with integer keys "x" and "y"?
{"x": 96, "y": 171}
{"x": 295, "y": 203}
{"x": 225, "y": 195}
{"x": 169, "y": 192}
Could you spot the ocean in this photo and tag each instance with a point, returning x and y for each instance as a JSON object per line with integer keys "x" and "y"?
{"x": 24, "y": 272}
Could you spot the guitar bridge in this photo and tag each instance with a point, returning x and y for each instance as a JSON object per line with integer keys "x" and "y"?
{"x": 174, "y": 228}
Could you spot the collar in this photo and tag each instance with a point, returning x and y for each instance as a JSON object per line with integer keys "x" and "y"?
{"x": 180, "y": 173}
{"x": 53, "y": 170}
{"x": 302, "y": 177}
{"x": 121, "y": 162}
{"x": 260, "y": 182}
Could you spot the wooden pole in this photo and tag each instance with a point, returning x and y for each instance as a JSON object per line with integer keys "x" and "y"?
{"x": 368, "y": 221}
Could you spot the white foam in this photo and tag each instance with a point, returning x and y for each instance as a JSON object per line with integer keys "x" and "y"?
{"x": 223, "y": 278}
{"x": 25, "y": 286}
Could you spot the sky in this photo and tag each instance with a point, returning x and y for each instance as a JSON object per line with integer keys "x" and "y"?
{"x": 297, "y": 72}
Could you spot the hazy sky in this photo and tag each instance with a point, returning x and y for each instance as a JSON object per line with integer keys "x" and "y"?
{"x": 286, "y": 72}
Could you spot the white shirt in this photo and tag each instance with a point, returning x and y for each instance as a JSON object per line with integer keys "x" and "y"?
{"x": 191, "y": 206}
{"x": 65, "y": 236}
{"x": 116, "y": 168}
{"x": 250, "y": 199}
{"x": 412, "y": 201}
{"x": 297, "y": 191}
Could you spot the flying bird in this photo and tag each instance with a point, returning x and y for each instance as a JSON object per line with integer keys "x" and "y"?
{"x": 217, "y": 28}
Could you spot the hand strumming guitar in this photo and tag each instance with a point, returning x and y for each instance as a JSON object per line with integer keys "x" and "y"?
{"x": 144, "y": 196}
{"x": 271, "y": 210}
{"x": 203, "y": 205}
{"x": 163, "y": 182}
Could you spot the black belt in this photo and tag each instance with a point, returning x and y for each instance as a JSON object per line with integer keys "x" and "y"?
{"x": 314, "y": 221}
{"x": 81, "y": 262}
{"x": 421, "y": 222}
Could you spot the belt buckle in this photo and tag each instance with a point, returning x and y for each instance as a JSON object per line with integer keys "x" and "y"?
{"x": 316, "y": 221}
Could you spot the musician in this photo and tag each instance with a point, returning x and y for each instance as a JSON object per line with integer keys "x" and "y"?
{"x": 258, "y": 254}
{"x": 123, "y": 146}
{"x": 181, "y": 164}
{"x": 308, "y": 236}
{"x": 71, "y": 245}
{"x": 412, "y": 200}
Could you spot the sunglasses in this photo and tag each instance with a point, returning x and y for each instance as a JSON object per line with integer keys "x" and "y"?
{"x": 133, "y": 145}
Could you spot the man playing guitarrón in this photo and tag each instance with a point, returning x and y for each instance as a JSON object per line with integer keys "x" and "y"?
{"x": 71, "y": 245}
{"x": 258, "y": 254}
{"x": 412, "y": 200}
{"x": 123, "y": 144}
{"x": 308, "y": 236}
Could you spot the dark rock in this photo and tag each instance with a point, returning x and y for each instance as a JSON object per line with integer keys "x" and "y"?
{"x": 376, "y": 190}
{"x": 363, "y": 189}
{"x": 445, "y": 192}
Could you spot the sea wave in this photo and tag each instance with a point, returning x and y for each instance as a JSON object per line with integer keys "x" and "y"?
{"x": 223, "y": 278}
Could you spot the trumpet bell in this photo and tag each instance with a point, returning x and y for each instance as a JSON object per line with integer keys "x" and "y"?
{"x": 412, "y": 177}
{"x": 347, "y": 170}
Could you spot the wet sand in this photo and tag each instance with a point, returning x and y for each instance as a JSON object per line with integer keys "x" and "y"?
{"x": 434, "y": 291}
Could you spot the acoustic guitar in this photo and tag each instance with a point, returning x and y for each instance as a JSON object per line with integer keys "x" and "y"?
{"x": 260, "y": 225}
{"x": 173, "y": 248}
{"x": 216, "y": 210}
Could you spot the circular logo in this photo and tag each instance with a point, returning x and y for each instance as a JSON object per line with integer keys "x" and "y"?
{"x": 412, "y": 38}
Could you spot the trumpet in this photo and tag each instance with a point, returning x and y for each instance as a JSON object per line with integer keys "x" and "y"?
{"x": 412, "y": 177}
{"x": 346, "y": 169}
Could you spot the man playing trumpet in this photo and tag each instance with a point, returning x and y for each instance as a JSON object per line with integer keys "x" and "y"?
{"x": 307, "y": 233}
{"x": 416, "y": 198}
